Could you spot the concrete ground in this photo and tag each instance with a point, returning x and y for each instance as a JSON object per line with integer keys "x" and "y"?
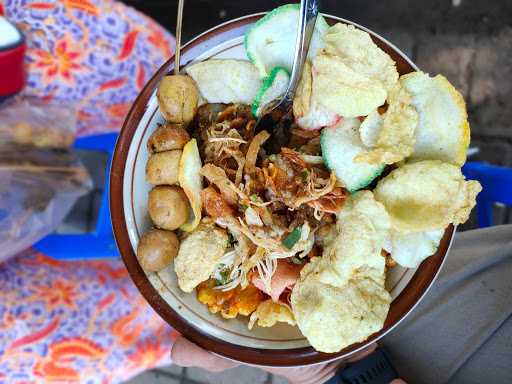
{"x": 470, "y": 42}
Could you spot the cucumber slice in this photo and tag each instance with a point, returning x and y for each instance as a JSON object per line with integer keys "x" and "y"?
{"x": 226, "y": 80}
{"x": 270, "y": 42}
{"x": 340, "y": 145}
{"x": 274, "y": 85}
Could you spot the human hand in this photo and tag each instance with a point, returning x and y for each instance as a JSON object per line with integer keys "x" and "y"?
{"x": 187, "y": 354}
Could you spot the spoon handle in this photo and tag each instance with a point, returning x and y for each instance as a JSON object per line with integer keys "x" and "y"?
{"x": 307, "y": 18}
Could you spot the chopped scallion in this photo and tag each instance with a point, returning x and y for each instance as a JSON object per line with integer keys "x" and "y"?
{"x": 224, "y": 277}
{"x": 292, "y": 238}
{"x": 296, "y": 260}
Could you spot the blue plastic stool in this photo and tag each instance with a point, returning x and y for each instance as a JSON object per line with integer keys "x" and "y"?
{"x": 99, "y": 244}
{"x": 496, "y": 188}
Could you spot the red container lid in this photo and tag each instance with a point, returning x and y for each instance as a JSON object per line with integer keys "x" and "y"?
{"x": 12, "y": 54}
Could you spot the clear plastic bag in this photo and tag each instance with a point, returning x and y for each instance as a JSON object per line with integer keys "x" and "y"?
{"x": 37, "y": 123}
{"x": 40, "y": 177}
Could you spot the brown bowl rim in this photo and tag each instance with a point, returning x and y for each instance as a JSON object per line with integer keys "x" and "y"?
{"x": 401, "y": 306}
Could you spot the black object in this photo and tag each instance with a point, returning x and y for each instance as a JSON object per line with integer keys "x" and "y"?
{"x": 375, "y": 368}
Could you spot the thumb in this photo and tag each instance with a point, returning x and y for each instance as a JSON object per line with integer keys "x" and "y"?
{"x": 188, "y": 354}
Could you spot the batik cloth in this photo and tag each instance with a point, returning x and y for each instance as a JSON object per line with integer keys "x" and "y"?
{"x": 81, "y": 322}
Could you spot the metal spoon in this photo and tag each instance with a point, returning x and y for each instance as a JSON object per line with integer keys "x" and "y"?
{"x": 306, "y": 25}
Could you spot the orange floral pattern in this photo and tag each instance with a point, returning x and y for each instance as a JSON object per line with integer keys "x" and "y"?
{"x": 61, "y": 63}
{"x": 58, "y": 293}
{"x": 147, "y": 354}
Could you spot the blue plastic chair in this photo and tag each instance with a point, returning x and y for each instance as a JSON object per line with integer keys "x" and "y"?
{"x": 496, "y": 188}
{"x": 99, "y": 244}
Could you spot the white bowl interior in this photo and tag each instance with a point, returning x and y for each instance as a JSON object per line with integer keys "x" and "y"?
{"x": 135, "y": 189}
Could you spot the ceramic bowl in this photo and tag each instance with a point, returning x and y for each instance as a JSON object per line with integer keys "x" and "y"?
{"x": 281, "y": 345}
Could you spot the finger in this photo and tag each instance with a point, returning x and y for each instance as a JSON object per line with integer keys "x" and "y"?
{"x": 188, "y": 354}
{"x": 397, "y": 381}
{"x": 362, "y": 354}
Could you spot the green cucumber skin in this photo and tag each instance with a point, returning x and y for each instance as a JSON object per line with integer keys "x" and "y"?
{"x": 325, "y": 156}
{"x": 321, "y": 24}
{"x": 267, "y": 83}
{"x": 262, "y": 21}
{"x": 366, "y": 183}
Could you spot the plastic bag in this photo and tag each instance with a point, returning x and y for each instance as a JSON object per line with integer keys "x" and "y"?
{"x": 37, "y": 123}
{"x": 40, "y": 177}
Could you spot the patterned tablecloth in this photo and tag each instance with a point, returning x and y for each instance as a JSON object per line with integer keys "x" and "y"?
{"x": 81, "y": 321}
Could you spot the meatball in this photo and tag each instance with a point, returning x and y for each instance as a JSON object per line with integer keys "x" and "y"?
{"x": 168, "y": 207}
{"x": 156, "y": 249}
{"x": 168, "y": 137}
{"x": 177, "y": 98}
{"x": 162, "y": 168}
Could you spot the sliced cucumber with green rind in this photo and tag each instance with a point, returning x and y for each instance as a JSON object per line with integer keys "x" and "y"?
{"x": 274, "y": 86}
{"x": 340, "y": 145}
{"x": 270, "y": 42}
